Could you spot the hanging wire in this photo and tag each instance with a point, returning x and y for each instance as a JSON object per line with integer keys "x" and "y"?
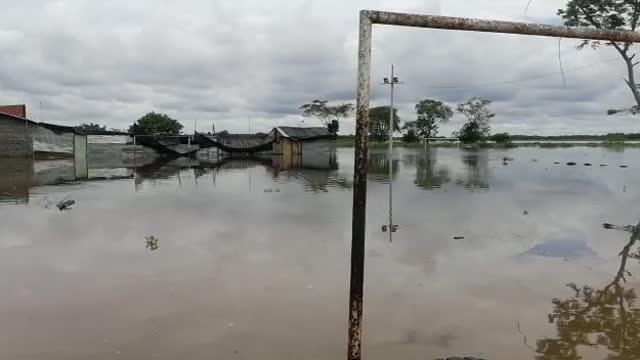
{"x": 532, "y": 78}
{"x": 564, "y": 79}
{"x": 527, "y": 8}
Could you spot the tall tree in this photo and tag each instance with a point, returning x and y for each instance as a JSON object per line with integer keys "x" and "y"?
{"x": 329, "y": 116}
{"x": 155, "y": 124}
{"x": 430, "y": 114}
{"x": 610, "y": 15}
{"x": 478, "y": 115}
{"x": 379, "y": 122}
{"x": 92, "y": 127}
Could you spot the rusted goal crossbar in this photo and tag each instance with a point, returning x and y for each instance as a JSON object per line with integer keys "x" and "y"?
{"x": 367, "y": 19}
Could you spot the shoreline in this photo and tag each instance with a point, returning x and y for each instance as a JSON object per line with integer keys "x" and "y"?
{"x": 348, "y": 143}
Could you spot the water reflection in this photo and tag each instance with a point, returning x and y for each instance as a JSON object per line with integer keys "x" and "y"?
{"x": 429, "y": 173}
{"x": 477, "y": 166}
{"x": 379, "y": 167}
{"x": 607, "y": 317}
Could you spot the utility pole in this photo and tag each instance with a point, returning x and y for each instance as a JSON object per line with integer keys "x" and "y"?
{"x": 392, "y": 81}
{"x": 249, "y": 124}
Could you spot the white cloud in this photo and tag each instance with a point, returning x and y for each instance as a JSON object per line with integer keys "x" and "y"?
{"x": 111, "y": 62}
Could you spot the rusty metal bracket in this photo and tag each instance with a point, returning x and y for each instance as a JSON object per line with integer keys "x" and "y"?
{"x": 367, "y": 19}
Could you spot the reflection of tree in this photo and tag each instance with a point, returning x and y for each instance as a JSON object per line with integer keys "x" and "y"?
{"x": 477, "y": 166}
{"x": 428, "y": 175}
{"x": 607, "y": 317}
{"x": 379, "y": 167}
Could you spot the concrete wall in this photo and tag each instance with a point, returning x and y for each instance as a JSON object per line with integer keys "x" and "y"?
{"x": 80, "y": 156}
{"x": 14, "y": 138}
{"x": 318, "y": 147}
{"x": 48, "y": 141}
{"x": 109, "y": 139}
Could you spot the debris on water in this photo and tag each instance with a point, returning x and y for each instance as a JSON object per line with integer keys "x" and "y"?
{"x": 384, "y": 228}
{"x": 608, "y": 226}
{"x": 505, "y": 159}
{"x": 277, "y": 190}
{"x": 587, "y": 164}
{"x": 152, "y": 243}
{"x": 603, "y": 165}
{"x": 525, "y": 212}
{"x": 571, "y": 163}
{"x": 624, "y": 188}
{"x": 624, "y": 166}
{"x": 505, "y": 163}
{"x": 66, "y": 204}
{"x": 458, "y": 238}
{"x": 534, "y": 160}
{"x": 268, "y": 190}
{"x": 394, "y": 228}
{"x": 556, "y": 163}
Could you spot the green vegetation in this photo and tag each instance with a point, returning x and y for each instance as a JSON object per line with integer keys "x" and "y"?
{"x": 329, "y": 116}
{"x": 379, "y": 122}
{"x": 430, "y": 114}
{"x": 156, "y": 124}
{"x": 91, "y": 127}
{"x": 478, "y": 115}
{"x": 609, "y": 15}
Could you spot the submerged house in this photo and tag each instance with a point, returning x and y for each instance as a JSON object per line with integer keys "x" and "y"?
{"x": 298, "y": 140}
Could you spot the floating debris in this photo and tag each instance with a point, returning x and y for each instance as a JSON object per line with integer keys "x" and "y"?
{"x": 384, "y": 228}
{"x": 394, "y": 228}
{"x": 571, "y": 163}
{"x": 534, "y": 160}
{"x": 65, "y": 205}
{"x": 268, "y": 190}
{"x": 277, "y": 190}
{"x": 505, "y": 159}
{"x": 152, "y": 243}
{"x": 587, "y": 164}
{"x": 526, "y": 212}
{"x": 624, "y": 166}
{"x": 556, "y": 163}
{"x": 603, "y": 165}
{"x": 458, "y": 238}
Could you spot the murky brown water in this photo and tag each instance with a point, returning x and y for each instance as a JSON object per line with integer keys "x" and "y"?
{"x": 252, "y": 261}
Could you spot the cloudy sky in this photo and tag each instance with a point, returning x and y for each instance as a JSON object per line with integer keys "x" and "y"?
{"x": 224, "y": 61}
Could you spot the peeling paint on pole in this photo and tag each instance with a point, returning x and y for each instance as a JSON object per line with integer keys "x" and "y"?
{"x": 503, "y": 27}
{"x": 360, "y": 189}
{"x": 367, "y": 19}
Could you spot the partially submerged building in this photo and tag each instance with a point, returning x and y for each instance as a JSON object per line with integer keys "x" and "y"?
{"x": 299, "y": 140}
{"x": 21, "y": 137}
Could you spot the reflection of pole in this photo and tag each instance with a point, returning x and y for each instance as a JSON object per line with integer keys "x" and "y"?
{"x": 391, "y": 81}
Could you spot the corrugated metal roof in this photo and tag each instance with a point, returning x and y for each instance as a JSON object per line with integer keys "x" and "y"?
{"x": 306, "y": 133}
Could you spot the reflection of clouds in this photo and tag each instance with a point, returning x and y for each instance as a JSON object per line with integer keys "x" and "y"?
{"x": 272, "y": 263}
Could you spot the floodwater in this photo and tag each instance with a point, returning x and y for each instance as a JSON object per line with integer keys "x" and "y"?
{"x": 249, "y": 259}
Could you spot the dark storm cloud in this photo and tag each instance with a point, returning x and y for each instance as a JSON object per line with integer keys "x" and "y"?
{"x": 222, "y": 61}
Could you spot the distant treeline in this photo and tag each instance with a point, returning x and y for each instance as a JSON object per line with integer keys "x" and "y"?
{"x": 607, "y": 137}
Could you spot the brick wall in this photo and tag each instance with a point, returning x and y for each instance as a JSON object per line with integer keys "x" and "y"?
{"x": 14, "y": 110}
{"x": 14, "y": 140}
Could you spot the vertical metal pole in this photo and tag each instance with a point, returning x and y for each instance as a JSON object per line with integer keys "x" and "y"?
{"x": 358, "y": 227}
{"x": 134, "y": 154}
{"x": 390, "y": 156}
